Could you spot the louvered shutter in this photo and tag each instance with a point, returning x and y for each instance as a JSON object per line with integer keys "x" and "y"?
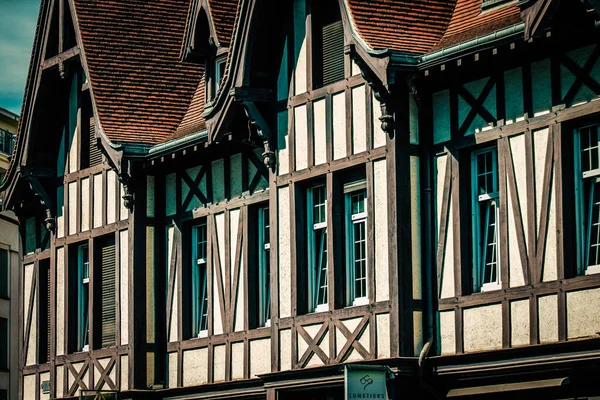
{"x": 95, "y": 153}
{"x": 333, "y": 53}
{"x": 107, "y": 259}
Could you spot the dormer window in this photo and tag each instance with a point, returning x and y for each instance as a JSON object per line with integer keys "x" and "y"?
{"x": 215, "y": 72}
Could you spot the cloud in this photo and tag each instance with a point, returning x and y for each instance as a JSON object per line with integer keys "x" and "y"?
{"x": 18, "y": 20}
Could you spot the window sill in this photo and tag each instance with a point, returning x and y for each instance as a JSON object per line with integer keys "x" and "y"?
{"x": 490, "y": 287}
{"x": 360, "y": 301}
{"x": 593, "y": 269}
{"x": 321, "y": 308}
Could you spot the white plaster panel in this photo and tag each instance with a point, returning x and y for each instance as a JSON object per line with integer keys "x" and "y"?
{"x": 104, "y": 363}
{"x": 340, "y": 339}
{"x": 150, "y": 193}
{"x": 29, "y": 387}
{"x": 378, "y": 133}
{"x": 44, "y": 377}
{"x": 301, "y": 137}
{"x": 237, "y": 360}
{"x": 235, "y": 175}
{"x": 124, "y": 280}
{"x": 515, "y": 272}
{"x": 72, "y": 189}
{"x": 415, "y": 226}
{"x": 85, "y": 204}
{"x": 60, "y": 379}
{"x": 219, "y": 363}
{"x": 150, "y": 369}
{"x": 300, "y": 47}
{"x": 217, "y": 318}
{"x": 448, "y": 259}
{"x": 170, "y": 190}
{"x": 447, "y": 332}
{"x": 359, "y": 120}
{"x": 517, "y": 146}
{"x": 519, "y": 323}
{"x": 60, "y": 213}
{"x": 260, "y": 357}
{"x": 550, "y": 267}
{"x": 174, "y": 311}
{"x": 312, "y": 331}
{"x": 234, "y": 218}
{"x": 150, "y": 314}
{"x": 583, "y": 313}
{"x": 283, "y": 143}
{"x": 320, "y": 129}
{"x": 78, "y": 366}
{"x": 382, "y": 289}
{"x": 111, "y": 194}
{"x": 98, "y": 201}
{"x": 285, "y": 283}
{"x": 548, "y": 318}
{"x": 482, "y": 328}
{"x": 32, "y": 340}
{"x": 339, "y": 125}
{"x": 172, "y": 370}
{"x": 123, "y": 211}
{"x": 355, "y": 70}
{"x": 124, "y": 372}
{"x": 540, "y": 142}
{"x": 60, "y": 301}
{"x": 383, "y": 335}
{"x": 440, "y": 174}
{"x": 417, "y": 332}
{"x": 74, "y": 139}
{"x": 285, "y": 349}
{"x": 195, "y": 367}
{"x": 413, "y": 119}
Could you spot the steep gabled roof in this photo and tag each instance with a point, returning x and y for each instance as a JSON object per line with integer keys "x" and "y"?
{"x": 223, "y": 14}
{"x": 142, "y": 90}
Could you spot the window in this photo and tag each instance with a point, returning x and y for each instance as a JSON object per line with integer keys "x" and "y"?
{"x": 7, "y": 141}
{"x": 317, "y": 248}
{"x": 328, "y": 43}
{"x": 587, "y": 189}
{"x": 82, "y": 290}
{"x": 264, "y": 275}
{"x": 3, "y": 343}
{"x": 356, "y": 243}
{"x": 199, "y": 277}
{"x": 105, "y": 274}
{"x": 486, "y": 272}
{"x": 4, "y": 274}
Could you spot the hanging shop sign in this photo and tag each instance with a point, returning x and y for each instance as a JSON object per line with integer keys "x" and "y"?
{"x": 365, "y": 381}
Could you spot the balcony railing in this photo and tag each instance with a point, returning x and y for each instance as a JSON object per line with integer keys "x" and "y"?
{"x": 7, "y": 141}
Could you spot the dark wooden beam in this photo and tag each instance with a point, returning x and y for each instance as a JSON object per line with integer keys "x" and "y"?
{"x": 61, "y": 57}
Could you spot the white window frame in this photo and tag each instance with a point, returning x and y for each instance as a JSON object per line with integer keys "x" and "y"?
{"x": 200, "y": 317}
{"x": 264, "y": 254}
{"x": 315, "y": 267}
{"x": 479, "y": 237}
{"x": 352, "y": 220}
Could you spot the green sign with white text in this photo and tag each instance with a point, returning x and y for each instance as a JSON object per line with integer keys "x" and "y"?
{"x": 365, "y": 383}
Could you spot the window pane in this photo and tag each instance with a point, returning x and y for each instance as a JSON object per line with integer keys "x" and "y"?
{"x": 593, "y": 222}
{"x": 321, "y": 237}
{"x": 589, "y": 149}
{"x": 319, "y": 202}
{"x": 489, "y": 249}
{"x": 360, "y": 260}
{"x": 199, "y": 292}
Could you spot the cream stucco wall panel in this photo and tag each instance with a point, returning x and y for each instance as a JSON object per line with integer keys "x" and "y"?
{"x": 260, "y": 357}
{"x": 340, "y": 339}
{"x": 150, "y": 369}
{"x": 60, "y": 301}
{"x": 447, "y": 332}
{"x": 98, "y": 211}
{"x": 359, "y": 120}
{"x": 378, "y": 133}
{"x": 548, "y": 318}
{"x": 32, "y": 339}
{"x": 519, "y": 323}
{"x": 150, "y": 196}
{"x": 72, "y": 189}
{"x": 103, "y": 363}
{"x": 339, "y": 125}
{"x": 172, "y": 370}
{"x": 448, "y": 259}
{"x": 417, "y": 332}
{"x": 320, "y": 128}
{"x": 60, "y": 379}
{"x": 583, "y": 313}
{"x": 550, "y": 272}
{"x": 285, "y": 282}
{"x": 173, "y": 306}
{"x": 285, "y": 349}
{"x": 60, "y": 213}
{"x": 382, "y": 290}
{"x": 283, "y": 143}
{"x": 483, "y": 328}
{"x": 300, "y": 76}
{"x": 517, "y": 146}
{"x": 123, "y": 211}
{"x": 301, "y": 137}
{"x": 540, "y": 143}
{"x": 150, "y": 304}
{"x": 195, "y": 367}
{"x": 219, "y": 363}
{"x": 29, "y": 387}
{"x": 415, "y": 226}
{"x": 111, "y": 194}
{"x": 124, "y": 372}
{"x": 312, "y": 331}
{"x": 124, "y": 282}
{"x": 217, "y": 317}
{"x": 43, "y": 378}
{"x": 170, "y": 189}
{"x": 237, "y": 360}
{"x": 515, "y": 272}
{"x": 234, "y": 218}
{"x": 85, "y": 204}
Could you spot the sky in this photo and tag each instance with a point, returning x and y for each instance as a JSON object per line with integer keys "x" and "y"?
{"x": 18, "y": 19}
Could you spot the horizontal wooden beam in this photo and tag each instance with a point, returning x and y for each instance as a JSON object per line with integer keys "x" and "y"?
{"x": 61, "y": 57}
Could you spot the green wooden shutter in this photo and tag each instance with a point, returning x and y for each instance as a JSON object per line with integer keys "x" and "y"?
{"x": 333, "y": 52}
{"x": 95, "y": 153}
{"x": 107, "y": 259}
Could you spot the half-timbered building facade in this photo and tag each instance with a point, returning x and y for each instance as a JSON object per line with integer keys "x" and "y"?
{"x": 236, "y": 199}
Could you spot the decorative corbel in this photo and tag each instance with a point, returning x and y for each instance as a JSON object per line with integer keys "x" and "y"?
{"x": 125, "y": 180}
{"x": 381, "y": 93}
{"x": 258, "y": 125}
{"x": 45, "y": 201}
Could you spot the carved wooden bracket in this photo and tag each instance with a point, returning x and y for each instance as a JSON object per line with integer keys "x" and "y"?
{"x": 44, "y": 199}
{"x": 258, "y": 125}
